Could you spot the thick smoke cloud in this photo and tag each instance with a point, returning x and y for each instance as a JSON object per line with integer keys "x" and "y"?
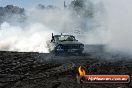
{"x": 112, "y": 25}
{"x": 119, "y": 19}
{"x": 27, "y": 39}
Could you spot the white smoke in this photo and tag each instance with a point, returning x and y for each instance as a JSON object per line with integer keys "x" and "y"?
{"x": 119, "y": 19}
{"x": 112, "y": 25}
{"x": 56, "y": 19}
{"x": 96, "y": 31}
{"x": 31, "y": 38}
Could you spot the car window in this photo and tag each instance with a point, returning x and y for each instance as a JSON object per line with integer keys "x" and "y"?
{"x": 66, "y": 38}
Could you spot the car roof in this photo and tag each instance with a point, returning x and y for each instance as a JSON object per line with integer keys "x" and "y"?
{"x": 62, "y": 35}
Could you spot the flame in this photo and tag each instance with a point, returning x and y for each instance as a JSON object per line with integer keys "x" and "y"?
{"x": 81, "y": 71}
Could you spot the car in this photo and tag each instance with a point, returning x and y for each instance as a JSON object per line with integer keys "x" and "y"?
{"x": 64, "y": 44}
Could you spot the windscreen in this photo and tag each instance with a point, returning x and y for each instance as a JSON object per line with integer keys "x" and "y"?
{"x": 66, "y": 38}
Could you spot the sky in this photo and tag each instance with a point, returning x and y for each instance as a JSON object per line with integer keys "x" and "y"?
{"x": 30, "y": 3}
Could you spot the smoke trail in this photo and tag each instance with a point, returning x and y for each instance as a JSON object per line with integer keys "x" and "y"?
{"x": 31, "y": 38}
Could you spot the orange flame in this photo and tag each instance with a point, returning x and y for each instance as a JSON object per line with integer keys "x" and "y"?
{"x": 81, "y": 71}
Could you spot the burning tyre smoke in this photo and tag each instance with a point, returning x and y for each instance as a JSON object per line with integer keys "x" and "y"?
{"x": 30, "y": 39}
